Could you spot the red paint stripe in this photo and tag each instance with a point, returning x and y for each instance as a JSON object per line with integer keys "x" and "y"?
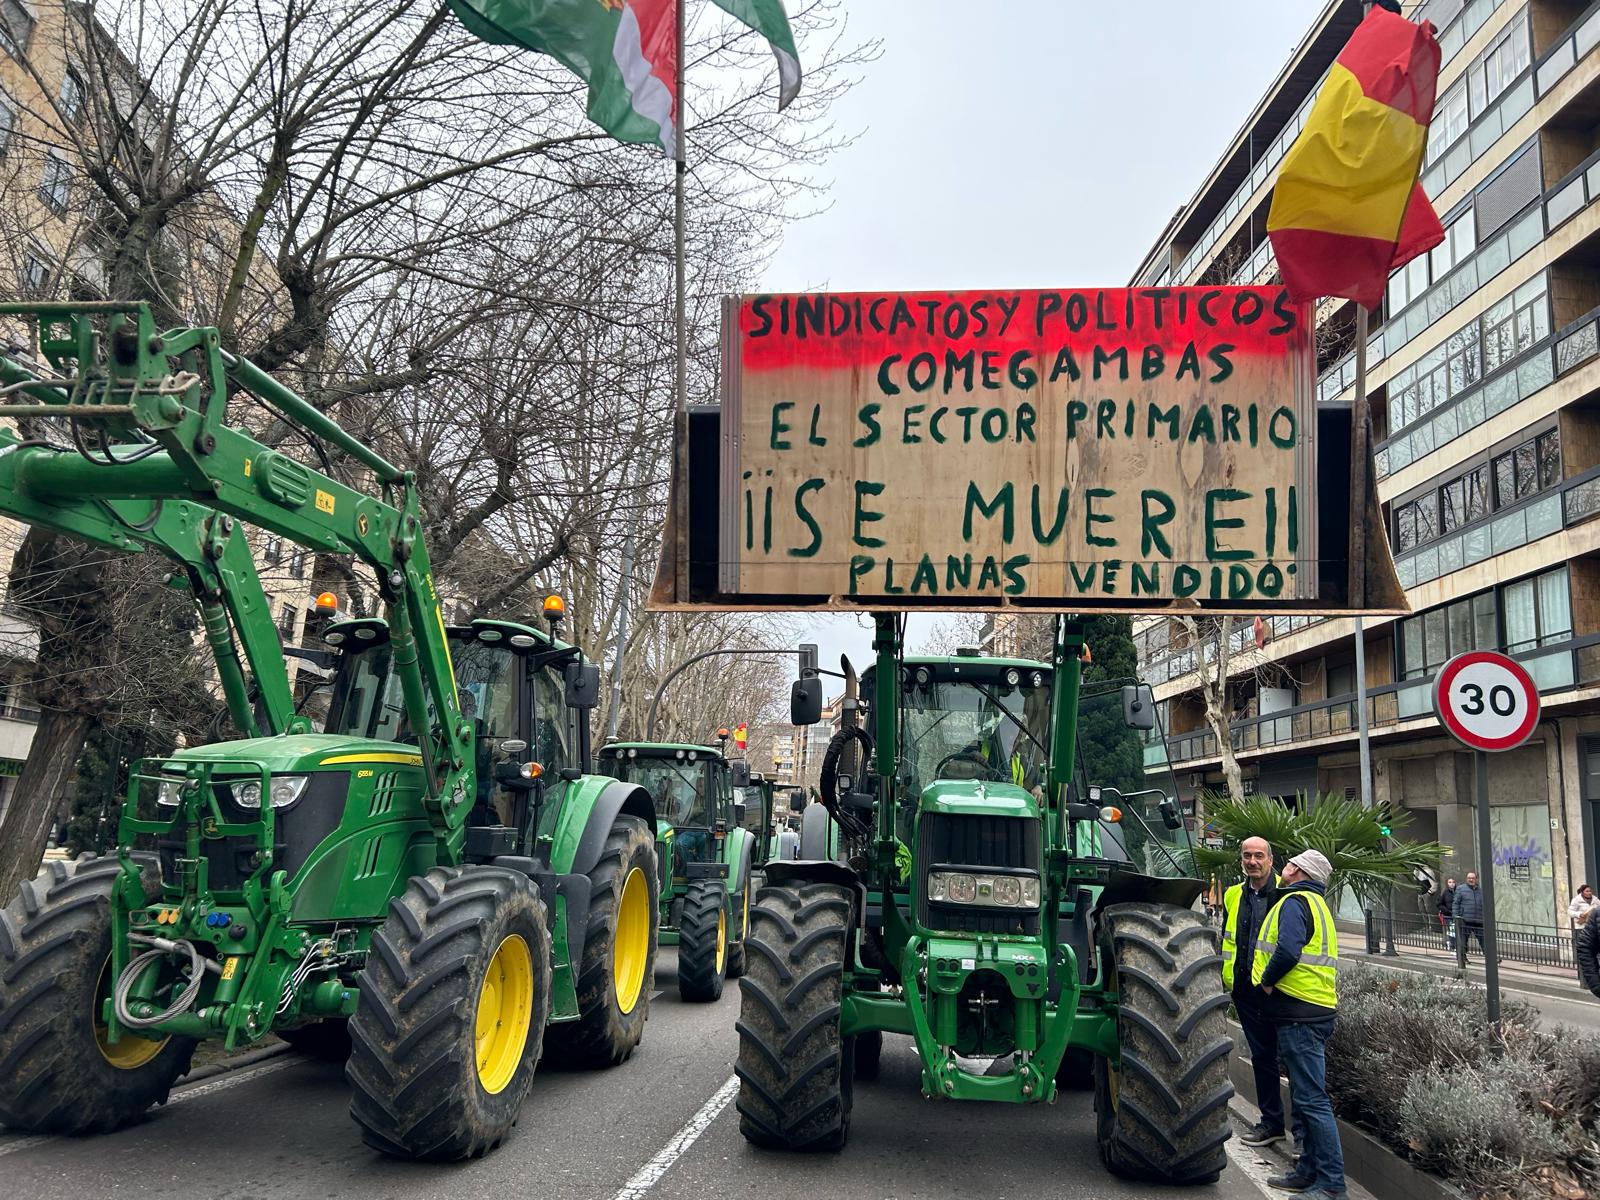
{"x": 1396, "y": 62}
{"x": 1315, "y": 264}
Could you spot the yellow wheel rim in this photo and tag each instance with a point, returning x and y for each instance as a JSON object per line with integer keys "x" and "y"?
{"x": 505, "y": 1010}
{"x": 130, "y": 1051}
{"x": 631, "y": 954}
{"x": 722, "y": 939}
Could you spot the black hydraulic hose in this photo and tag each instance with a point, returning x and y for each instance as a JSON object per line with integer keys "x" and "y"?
{"x": 828, "y": 780}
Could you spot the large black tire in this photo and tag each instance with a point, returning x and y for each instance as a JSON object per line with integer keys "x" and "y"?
{"x": 622, "y": 910}
{"x": 703, "y": 941}
{"x": 739, "y": 927}
{"x": 447, "y": 958}
{"x": 328, "y": 1040}
{"x": 816, "y": 826}
{"x": 796, "y": 1071}
{"x": 58, "y": 1074}
{"x": 1162, "y": 1117}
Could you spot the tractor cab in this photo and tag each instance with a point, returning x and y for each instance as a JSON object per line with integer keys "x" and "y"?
{"x": 524, "y": 694}
{"x": 706, "y": 890}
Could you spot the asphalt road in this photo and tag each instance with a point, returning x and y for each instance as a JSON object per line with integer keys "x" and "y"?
{"x": 660, "y": 1127}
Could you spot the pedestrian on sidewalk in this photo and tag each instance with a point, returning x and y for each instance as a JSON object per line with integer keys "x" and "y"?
{"x": 1583, "y": 903}
{"x": 1468, "y": 909}
{"x": 1447, "y": 902}
{"x": 1244, "y": 907}
{"x": 1589, "y": 951}
{"x": 1296, "y": 965}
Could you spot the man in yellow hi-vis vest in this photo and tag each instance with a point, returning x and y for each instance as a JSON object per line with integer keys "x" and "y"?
{"x": 1244, "y": 911}
{"x": 1296, "y": 966}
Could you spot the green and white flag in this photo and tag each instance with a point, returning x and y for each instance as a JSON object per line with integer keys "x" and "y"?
{"x": 626, "y": 50}
{"x": 768, "y": 19}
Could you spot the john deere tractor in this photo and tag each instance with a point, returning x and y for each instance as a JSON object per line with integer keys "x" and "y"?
{"x": 710, "y": 855}
{"x": 1013, "y": 892}
{"x": 436, "y": 876}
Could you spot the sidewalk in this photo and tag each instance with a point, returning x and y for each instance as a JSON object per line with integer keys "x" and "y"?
{"x": 1554, "y": 994}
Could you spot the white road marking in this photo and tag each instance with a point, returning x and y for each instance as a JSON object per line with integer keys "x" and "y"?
{"x": 231, "y": 1079}
{"x": 649, "y": 1174}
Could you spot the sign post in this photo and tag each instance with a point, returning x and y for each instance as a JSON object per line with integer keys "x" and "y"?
{"x": 1489, "y": 703}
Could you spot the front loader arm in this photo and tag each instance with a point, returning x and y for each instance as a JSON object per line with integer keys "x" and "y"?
{"x": 156, "y": 404}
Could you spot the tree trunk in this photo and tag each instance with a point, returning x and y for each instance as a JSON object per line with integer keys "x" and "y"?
{"x": 1214, "y": 691}
{"x": 40, "y": 793}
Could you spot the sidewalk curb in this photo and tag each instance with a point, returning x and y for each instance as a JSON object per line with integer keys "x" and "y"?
{"x": 235, "y": 1062}
{"x": 1367, "y": 1160}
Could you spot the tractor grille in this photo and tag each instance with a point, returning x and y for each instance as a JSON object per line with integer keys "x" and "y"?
{"x": 298, "y": 830}
{"x": 952, "y": 841}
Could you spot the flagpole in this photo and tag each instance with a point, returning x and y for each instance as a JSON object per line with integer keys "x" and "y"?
{"x": 680, "y": 320}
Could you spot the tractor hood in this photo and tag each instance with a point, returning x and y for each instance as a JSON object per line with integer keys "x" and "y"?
{"x": 978, "y": 798}
{"x": 300, "y": 753}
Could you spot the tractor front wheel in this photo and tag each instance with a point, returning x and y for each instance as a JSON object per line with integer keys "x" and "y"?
{"x": 453, "y": 1003}
{"x": 796, "y": 1071}
{"x": 1161, "y": 1114}
{"x": 617, "y": 972}
{"x": 703, "y": 941}
{"x": 59, "y": 1071}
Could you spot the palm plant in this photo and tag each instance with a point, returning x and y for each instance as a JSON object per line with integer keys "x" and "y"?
{"x": 1364, "y": 858}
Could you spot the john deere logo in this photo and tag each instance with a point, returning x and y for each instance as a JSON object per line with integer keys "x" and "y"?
{"x": 209, "y": 827}
{"x": 361, "y": 524}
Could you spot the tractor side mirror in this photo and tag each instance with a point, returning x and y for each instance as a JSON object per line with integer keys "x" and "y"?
{"x": 797, "y": 800}
{"x": 583, "y": 685}
{"x": 805, "y": 701}
{"x": 741, "y": 773}
{"x": 738, "y": 813}
{"x": 1138, "y": 706}
{"x": 1170, "y": 816}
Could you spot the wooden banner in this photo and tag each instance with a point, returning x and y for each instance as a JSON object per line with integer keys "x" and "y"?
{"x": 1109, "y": 445}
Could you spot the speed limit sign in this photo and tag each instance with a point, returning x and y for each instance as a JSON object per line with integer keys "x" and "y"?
{"x": 1486, "y": 700}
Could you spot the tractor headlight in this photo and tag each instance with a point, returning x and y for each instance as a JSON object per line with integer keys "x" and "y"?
{"x": 994, "y": 891}
{"x": 284, "y": 790}
{"x": 170, "y": 793}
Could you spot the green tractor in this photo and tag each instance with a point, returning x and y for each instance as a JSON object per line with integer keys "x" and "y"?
{"x": 709, "y": 856}
{"x": 434, "y": 886}
{"x": 1013, "y": 891}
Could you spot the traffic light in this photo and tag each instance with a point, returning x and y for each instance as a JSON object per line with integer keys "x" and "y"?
{"x": 1383, "y": 829}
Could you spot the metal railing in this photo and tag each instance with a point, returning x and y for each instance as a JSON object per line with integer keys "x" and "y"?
{"x": 1533, "y": 945}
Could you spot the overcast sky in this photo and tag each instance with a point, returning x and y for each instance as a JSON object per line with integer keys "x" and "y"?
{"x": 1026, "y": 143}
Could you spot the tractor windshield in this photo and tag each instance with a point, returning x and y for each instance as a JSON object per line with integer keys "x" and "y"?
{"x": 678, "y": 788}
{"x": 994, "y": 731}
{"x": 1130, "y": 768}
{"x": 367, "y": 700}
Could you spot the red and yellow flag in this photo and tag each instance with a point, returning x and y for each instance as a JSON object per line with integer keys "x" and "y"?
{"x": 1347, "y": 208}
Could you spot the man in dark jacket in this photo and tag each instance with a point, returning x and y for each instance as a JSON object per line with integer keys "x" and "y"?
{"x": 1296, "y": 966}
{"x": 1468, "y": 906}
{"x": 1589, "y": 951}
{"x": 1244, "y": 908}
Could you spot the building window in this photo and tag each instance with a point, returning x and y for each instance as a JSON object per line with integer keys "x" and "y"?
{"x": 1501, "y": 64}
{"x": 8, "y": 121}
{"x": 289, "y": 623}
{"x": 55, "y": 184}
{"x": 297, "y": 562}
{"x": 1429, "y": 638}
{"x": 35, "y": 275}
{"x": 16, "y": 27}
{"x": 1450, "y": 120}
{"x": 272, "y": 552}
{"x": 1538, "y": 611}
{"x": 1527, "y": 469}
{"x": 70, "y": 103}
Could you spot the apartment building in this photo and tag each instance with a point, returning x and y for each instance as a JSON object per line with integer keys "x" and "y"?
{"x": 1484, "y": 383}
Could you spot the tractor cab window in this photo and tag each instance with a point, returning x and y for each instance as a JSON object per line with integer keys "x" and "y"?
{"x": 751, "y": 798}
{"x": 550, "y": 725}
{"x": 987, "y": 729}
{"x": 1130, "y": 768}
{"x": 366, "y": 700}
{"x": 679, "y": 788}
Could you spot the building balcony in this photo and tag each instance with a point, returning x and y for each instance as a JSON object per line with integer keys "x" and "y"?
{"x": 1567, "y": 674}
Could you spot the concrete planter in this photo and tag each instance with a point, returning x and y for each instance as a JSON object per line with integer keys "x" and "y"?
{"x": 1367, "y": 1160}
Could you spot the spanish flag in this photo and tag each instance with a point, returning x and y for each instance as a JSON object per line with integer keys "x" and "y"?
{"x": 1347, "y": 208}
